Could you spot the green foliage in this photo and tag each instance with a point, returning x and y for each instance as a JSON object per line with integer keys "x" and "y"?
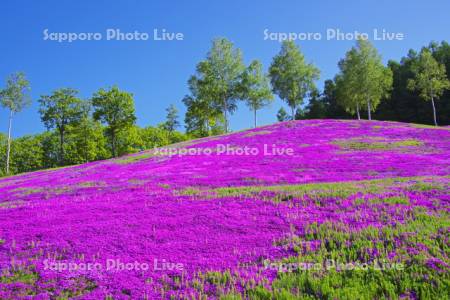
{"x": 375, "y": 78}
{"x": 282, "y": 115}
{"x": 86, "y": 142}
{"x": 254, "y": 88}
{"x": 171, "y": 123}
{"x": 27, "y": 154}
{"x": 430, "y": 78}
{"x": 346, "y": 84}
{"x": 362, "y": 79}
{"x": 154, "y": 137}
{"x": 316, "y": 108}
{"x": 231, "y": 296}
{"x": 60, "y": 110}
{"x": 217, "y": 80}
{"x": 259, "y": 293}
{"x": 291, "y": 77}
{"x": 202, "y": 117}
{"x": 114, "y": 108}
{"x": 129, "y": 141}
{"x": 3, "y": 145}
{"x": 50, "y": 146}
{"x": 177, "y": 137}
{"x": 405, "y": 104}
{"x": 15, "y": 96}
{"x": 325, "y": 105}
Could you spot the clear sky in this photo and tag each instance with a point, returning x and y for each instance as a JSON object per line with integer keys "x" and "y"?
{"x": 156, "y": 71}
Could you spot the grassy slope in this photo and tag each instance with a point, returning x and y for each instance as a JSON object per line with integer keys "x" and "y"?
{"x": 352, "y": 192}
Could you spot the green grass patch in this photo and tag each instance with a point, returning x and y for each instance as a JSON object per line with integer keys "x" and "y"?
{"x": 133, "y": 158}
{"x": 255, "y": 133}
{"x": 423, "y": 126}
{"x": 391, "y": 200}
{"x": 19, "y": 276}
{"x": 79, "y": 286}
{"x": 426, "y": 186}
{"x": 355, "y": 144}
{"x": 164, "y": 186}
{"x": 315, "y": 190}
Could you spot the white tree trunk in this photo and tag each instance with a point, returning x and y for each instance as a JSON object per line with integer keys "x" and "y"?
{"x": 255, "y": 116}
{"x": 8, "y": 150}
{"x": 434, "y": 112}
{"x": 369, "y": 114}
{"x": 357, "y": 111}
{"x": 225, "y": 115}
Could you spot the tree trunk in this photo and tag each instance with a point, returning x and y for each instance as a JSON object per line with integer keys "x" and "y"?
{"x": 357, "y": 111}
{"x": 8, "y": 150}
{"x": 293, "y": 112}
{"x": 86, "y": 159}
{"x": 255, "y": 116}
{"x": 225, "y": 115}
{"x": 434, "y": 112}
{"x": 369, "y": 113}
{"x": 208, "y": 130}
{"x": 113, "y": 143}
{"x": 61, "y": 148}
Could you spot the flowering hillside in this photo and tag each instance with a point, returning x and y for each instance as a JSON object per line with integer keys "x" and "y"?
{"x": 320, "y": 209}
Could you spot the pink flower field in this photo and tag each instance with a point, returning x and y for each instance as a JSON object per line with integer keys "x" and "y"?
{"x": 319, "y": 209}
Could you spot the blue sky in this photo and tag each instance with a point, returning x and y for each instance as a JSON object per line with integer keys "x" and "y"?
{"x": 156, "y": 71}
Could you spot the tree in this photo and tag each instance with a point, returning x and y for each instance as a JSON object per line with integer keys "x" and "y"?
{"x": 3, "y": 142}
{"x": 324, "y": 105}
{"x": 15, "y": 98}
{"x": 171, "y": 123}
{"x": 203, "y": 117}
{"x": 430, "y": 79}
{"x": 28, "y": 154}
{"x": 255, "y": 88}
{"x": 347, "y": 85}
{"x": 218, "y": 77}
{"x": 50, "y": 148}
{"x": 407, "y": 105}
{"x": 403, "y": 104}
{"x": 114, "y": 108}
{"x": 375, "y": 80}
{"x": 291, "y": 77}
{"x": 60, "y": 110}
{"x": 282, "y": 115}
{"x": 316, "y": 108}
{"x": 153, "y": 137}
{"x": 130, "y": 141}
{"x": 329, "y": 97}
{"x": 86, "y": 141}
{"x": 363, "y": 79}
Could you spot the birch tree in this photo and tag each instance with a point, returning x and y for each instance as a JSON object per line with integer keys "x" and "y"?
{"x": 430, "y": 79}
{"x": 15, "y": 98}
{"x": 292, "y": 78}
{"x": 255, "y": 88}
